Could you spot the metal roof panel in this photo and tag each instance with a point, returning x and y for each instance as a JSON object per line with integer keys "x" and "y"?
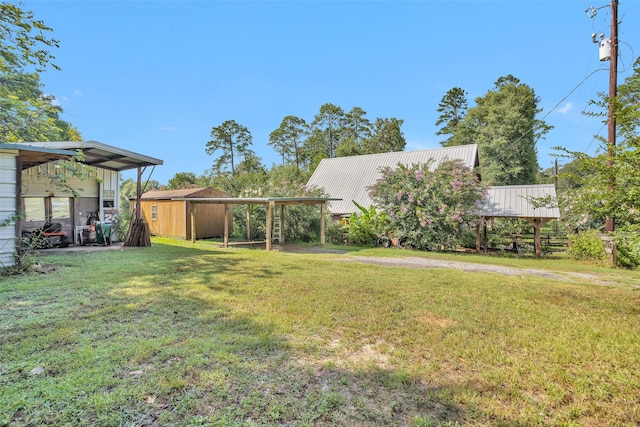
{"x": 349, "y": 178}
{"x": 517, "y": 201}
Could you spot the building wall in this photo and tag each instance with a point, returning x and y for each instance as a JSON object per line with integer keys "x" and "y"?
{"x": 209, "y": 221}
{"x": 173, "y": 219}
{"x": 98, "y": 193}
{"x": 170, "y": 217}
{"x": 7, "y": 206}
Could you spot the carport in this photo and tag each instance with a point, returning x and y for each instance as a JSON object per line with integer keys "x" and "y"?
{"x": 534, "y": 203}
{"x": 116, "y": 160}
{"x": 274, "y": 205}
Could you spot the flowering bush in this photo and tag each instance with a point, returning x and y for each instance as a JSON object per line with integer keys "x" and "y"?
{"x": 429, "y": 208}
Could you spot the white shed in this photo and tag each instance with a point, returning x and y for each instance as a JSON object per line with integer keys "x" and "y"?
{"x": 26, "y": 189}
{"x": 13, "y": 158}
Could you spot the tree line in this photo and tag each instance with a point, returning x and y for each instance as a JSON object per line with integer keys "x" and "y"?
{"x": 503, "y": 123}
{"x": 26, "y": 112}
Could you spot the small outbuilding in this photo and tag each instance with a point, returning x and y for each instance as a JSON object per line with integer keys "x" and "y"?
{"x": 173, "y": 218}
{"x": 535, "y": 203}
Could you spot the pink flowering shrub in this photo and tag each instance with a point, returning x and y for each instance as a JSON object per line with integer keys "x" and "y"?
{"x": 429, "y": 208}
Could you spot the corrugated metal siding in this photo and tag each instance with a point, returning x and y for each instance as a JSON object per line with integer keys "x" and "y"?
{"x": 348, "y": 178}
{"x": 7, "y": 206}
{"x": 34, "y": 184}
{"x": 513, "y": 201}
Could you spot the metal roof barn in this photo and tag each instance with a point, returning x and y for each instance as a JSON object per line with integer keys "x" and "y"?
{"x": 349, "y": 178}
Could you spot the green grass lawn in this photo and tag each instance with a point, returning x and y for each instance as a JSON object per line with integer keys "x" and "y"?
{"x": 192, "y": 335}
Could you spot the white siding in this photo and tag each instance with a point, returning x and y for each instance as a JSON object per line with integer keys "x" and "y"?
{"x": 36, "y": 184}
{"x": 7, "y": 206}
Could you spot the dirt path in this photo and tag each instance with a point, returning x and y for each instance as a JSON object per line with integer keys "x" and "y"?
{"x": 422, "y": 263}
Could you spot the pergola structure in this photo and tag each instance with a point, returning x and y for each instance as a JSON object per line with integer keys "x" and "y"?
{"x": 534, "y": 203}
{"x": 272, "y": 204}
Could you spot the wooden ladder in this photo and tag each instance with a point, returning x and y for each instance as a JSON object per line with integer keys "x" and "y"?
{"x": 277, "y": 227}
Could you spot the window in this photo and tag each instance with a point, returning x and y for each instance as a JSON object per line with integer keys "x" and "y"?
{"x": 154, "y": 212}
{"x": 108, "y": 198}
{"x": 60, "y": 207}
{"x": 34, "y": 209}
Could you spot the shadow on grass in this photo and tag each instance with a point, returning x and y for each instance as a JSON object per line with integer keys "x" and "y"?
{"x": 148, "y": 349}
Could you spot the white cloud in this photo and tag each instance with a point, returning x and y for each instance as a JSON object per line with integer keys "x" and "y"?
{"x": 567, "y": 107}
{"x": 77, "y": 92}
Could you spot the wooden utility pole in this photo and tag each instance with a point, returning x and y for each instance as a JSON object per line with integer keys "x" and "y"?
{"x": 610, "y": 225}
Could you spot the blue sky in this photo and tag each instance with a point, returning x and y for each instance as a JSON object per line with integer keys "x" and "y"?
{"x": 155, "y": 76}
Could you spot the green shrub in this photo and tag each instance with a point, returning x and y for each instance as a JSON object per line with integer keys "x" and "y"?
{"x": 364, "y": 229}
{"x": 628, "y": 247}
{"x": 587, "y": 246}
{"x": 334, "y": 232}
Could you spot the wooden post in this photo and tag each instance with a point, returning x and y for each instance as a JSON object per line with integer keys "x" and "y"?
{"x": 226, "y": 225}
{"x": 269, "y": 213}
{"x": 486, "y": 238}
{"x": 248, "y": 222}
{"x": 192, "y": 211}
{"x": 478, "y": 241}
{"x": 139, "y": 194}
{"x": 537, "y": 223}
{"x": 322, "y": 238}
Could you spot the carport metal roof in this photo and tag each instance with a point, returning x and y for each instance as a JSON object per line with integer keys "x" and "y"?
{"x": 101, "y": 155}
{"x": 31, "y": 156}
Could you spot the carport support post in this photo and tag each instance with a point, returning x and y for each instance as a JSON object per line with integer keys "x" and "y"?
{"x": 270, "y": 206}
{"x": 478, "y": 241}
{"x": 192, "y": 211}
{"x": 139, "y": 194}
{"x": 226, "y": 225}
{"x": 248, "y": 222}
{"x": 322, "y": 239}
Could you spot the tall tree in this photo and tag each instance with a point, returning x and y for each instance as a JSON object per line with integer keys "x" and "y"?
{"x": 233, "y": 141}
{"x": 356, "y": 126}
{"x": 387, "y": 137}
{"x": 594, "y": 194}
{"x": 26, "y": 113}
{"x": 295, "y": 129}
{"x": 452, "y": 108}
{"x": 349, "y": 147}
{"x": 23, "y": 41}
{"x": 278, "y": 141}
{"x": 287, "y": 139}
{"x": 503, "y": 124}
{"x": 329, "y": 121}
{"x": 182, "y": 180}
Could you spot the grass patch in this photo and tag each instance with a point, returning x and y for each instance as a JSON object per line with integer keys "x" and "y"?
{"x": 182, "y": 334}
